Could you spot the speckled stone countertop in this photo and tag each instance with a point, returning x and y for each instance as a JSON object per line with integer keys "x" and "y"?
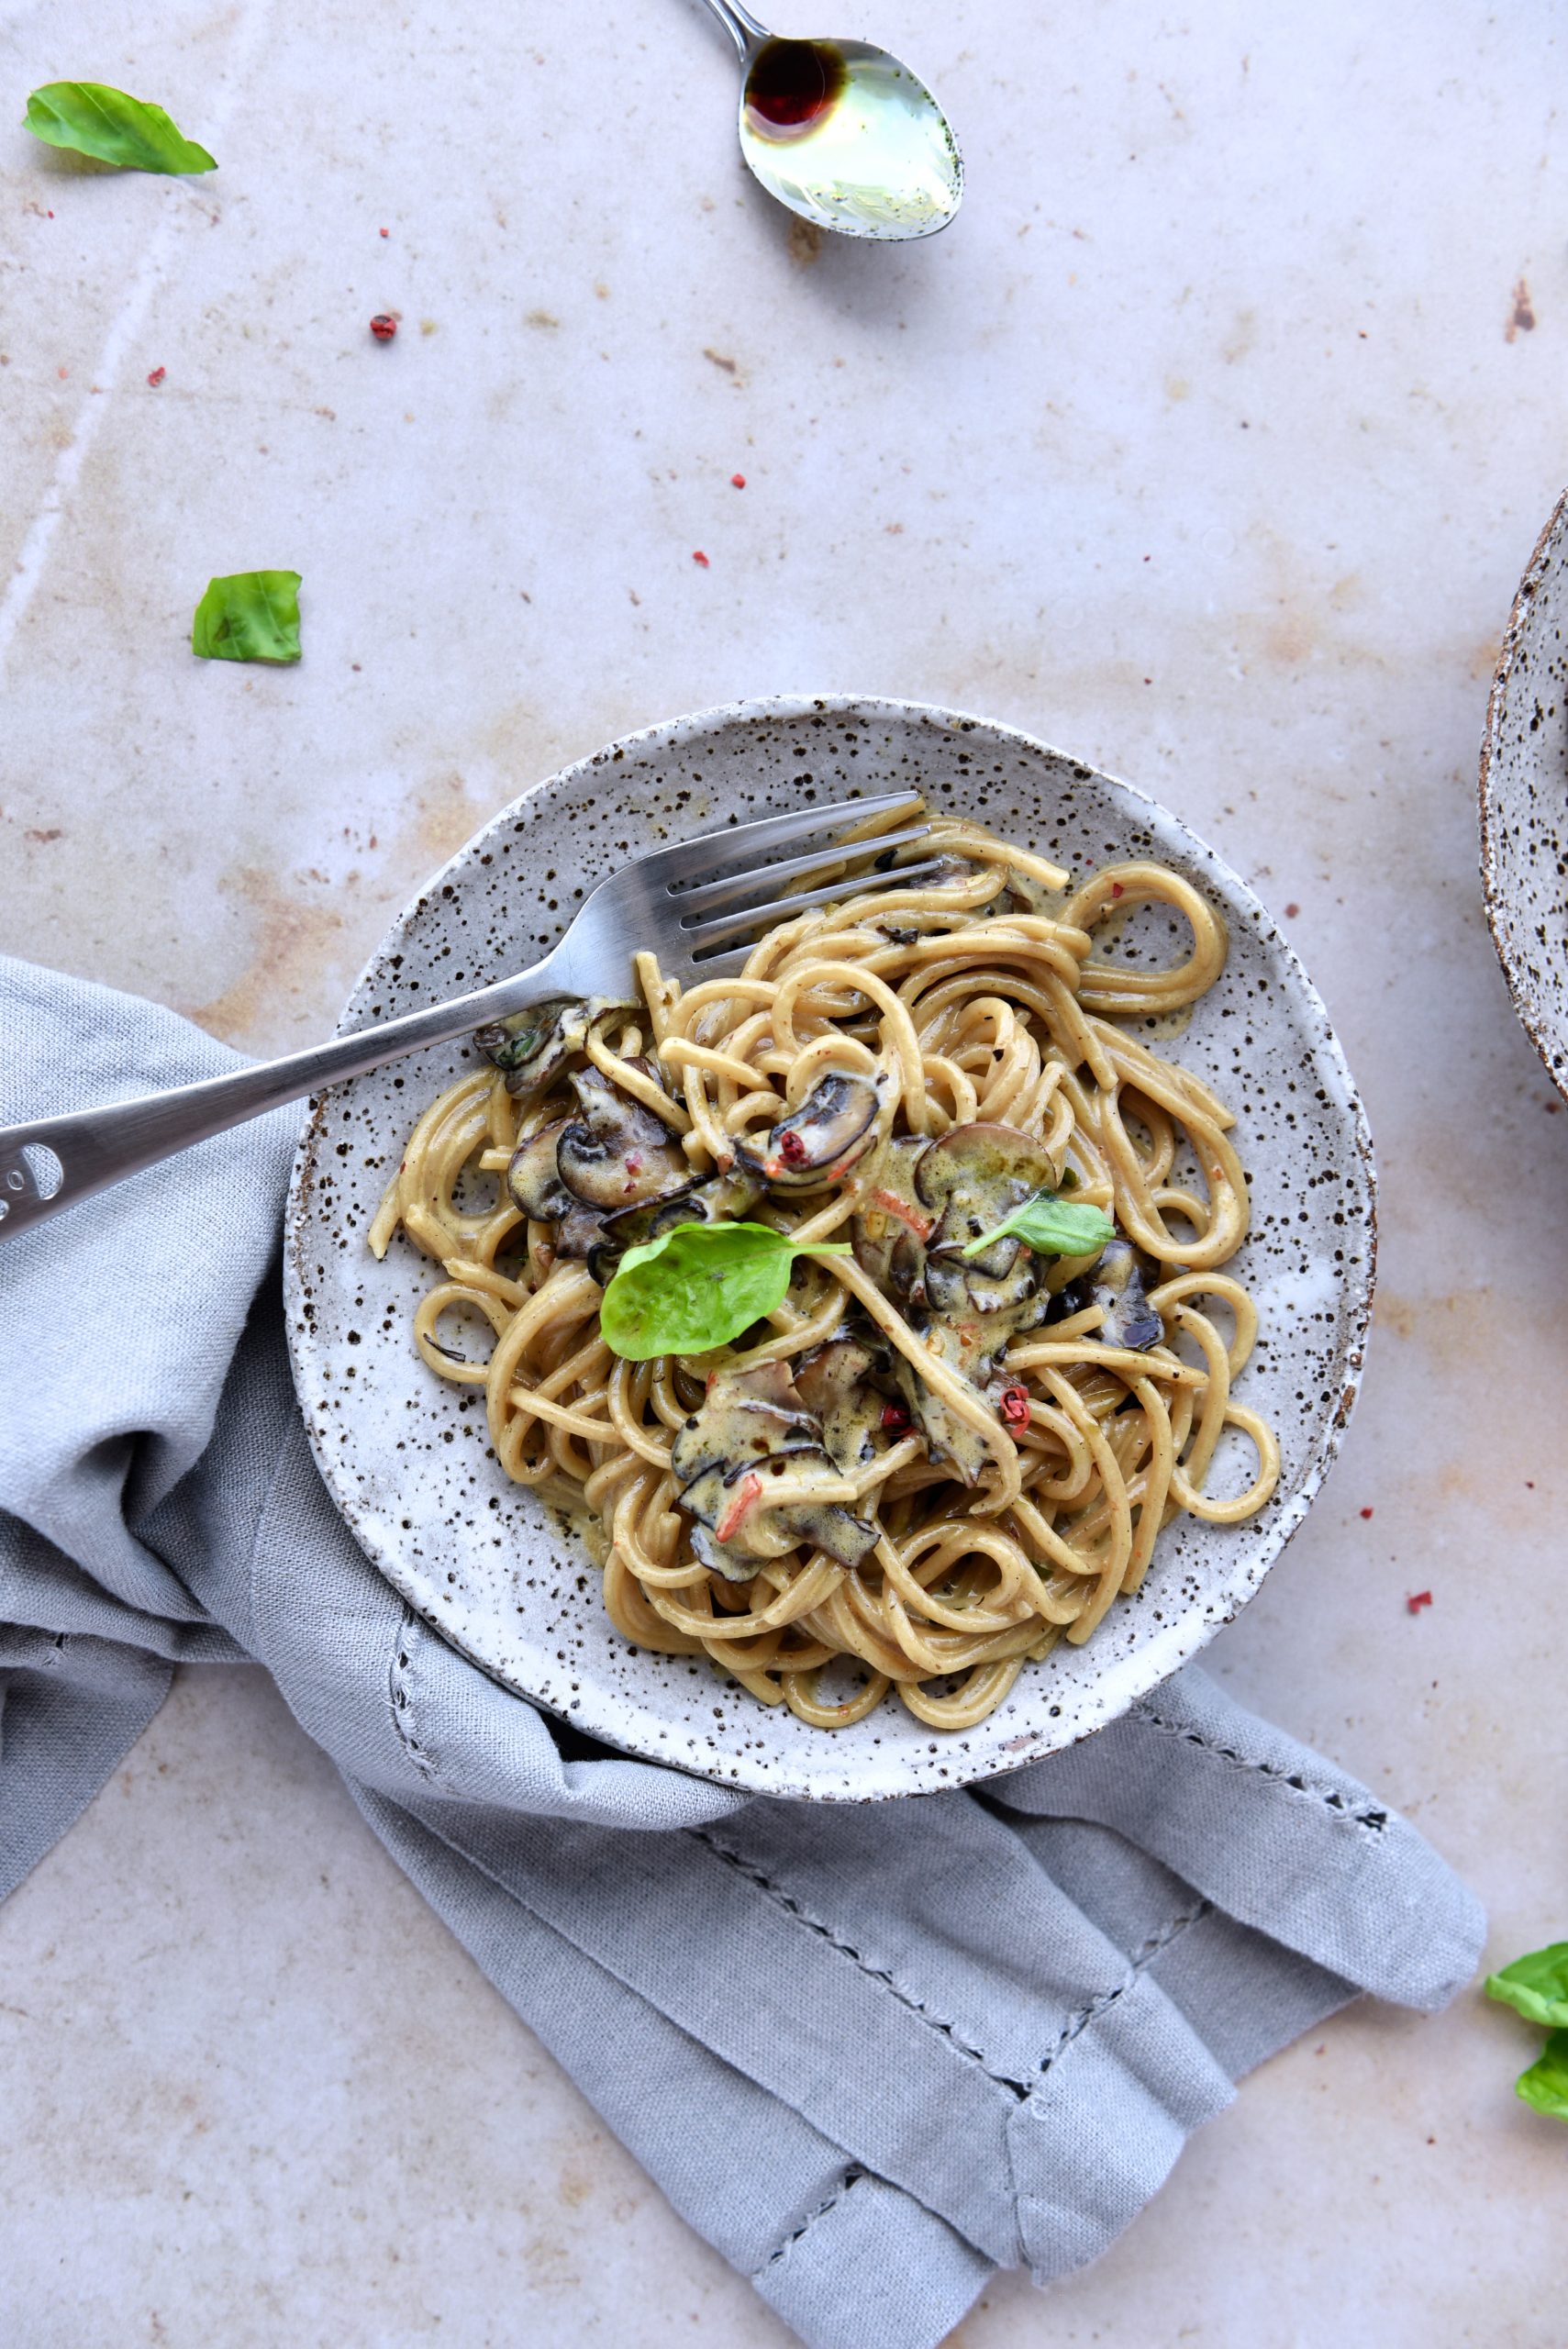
{"x": 1209, "y": 444}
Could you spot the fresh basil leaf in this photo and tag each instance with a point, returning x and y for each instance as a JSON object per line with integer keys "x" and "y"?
{"x": 94, "y": 119}
{"x": 1052, "y": 1227}
{"x": 698, "y": 1286}
{"x": 1536, "y": 1986}
{"x": 1545, "y": 2085}
{"x": 249, "y": 616}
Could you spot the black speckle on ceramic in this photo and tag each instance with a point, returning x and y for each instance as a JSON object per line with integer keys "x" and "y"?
{"x": 406, "y": 1456}
{"x": 1524, "y": 800}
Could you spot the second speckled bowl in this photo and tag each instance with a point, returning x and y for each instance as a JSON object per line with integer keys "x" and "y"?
{"x": 1524, "y": 800}
{"x": 404, "y": 1454}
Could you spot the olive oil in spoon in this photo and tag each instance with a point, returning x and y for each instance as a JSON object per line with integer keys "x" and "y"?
{"x": 843, "y": 134}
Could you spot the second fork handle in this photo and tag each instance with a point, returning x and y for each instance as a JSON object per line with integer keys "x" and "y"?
{"x": 98, "y": 1147}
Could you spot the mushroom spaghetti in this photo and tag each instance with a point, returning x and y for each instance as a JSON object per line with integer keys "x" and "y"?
{"x": 995, "y": 1222}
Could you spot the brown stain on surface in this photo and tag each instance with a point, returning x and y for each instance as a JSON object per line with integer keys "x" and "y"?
{"x": 295, "y": 938}
{"x": 804, "y": 244}
{"x": 1395, "y": 1313}
{"x": 440, "y": 816}
{"x": 1241, "y": 339}
{"x": 1484, "y": 659}
{"x": 1522, "y": 318}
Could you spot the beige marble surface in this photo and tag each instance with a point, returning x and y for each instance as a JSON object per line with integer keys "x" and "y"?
{"x": 1210, "y": 442}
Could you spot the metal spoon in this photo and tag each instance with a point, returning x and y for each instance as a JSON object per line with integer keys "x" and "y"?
{"x": 843, "y": 133}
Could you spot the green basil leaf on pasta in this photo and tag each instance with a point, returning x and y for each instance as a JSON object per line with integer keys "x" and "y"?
{"x": 1545, "y": 2086}
{"x": 1052, "y": 1227}
{"x": 91, "y": 118}
{"x": 249, "y": 616}
{"x": 1535, "y": 1986}
{"x": 698, "y": 1287}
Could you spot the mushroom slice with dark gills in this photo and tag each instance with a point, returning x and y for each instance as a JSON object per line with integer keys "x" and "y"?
{"x": 831, "y": 1130}
{"x": 1002, "y": 1306}
{"x": 719, "y": 1199}
{"x": 532, "y": 1047}
{"x": 891, "y": 1229}
{"x": 834, "y": 1383}
{"x": 614, "y": 1154}
{"x": 1116, "y": 1285}
{"x": 579, "y": 1232}
{"x": 973, "y": 1177}
{"x": 746, "y": 1462}
{"x": 533, "y": 1177}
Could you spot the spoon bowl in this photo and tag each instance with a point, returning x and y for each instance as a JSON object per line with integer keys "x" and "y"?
{"x": 844, "y": 134}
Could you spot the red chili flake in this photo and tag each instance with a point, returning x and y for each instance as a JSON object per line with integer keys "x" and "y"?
{"x": 1014, "y": 1406}
{"x": 1291, "y": 912}
{"x": 736, "y": 481}
{"x": 792, "y": 1150}
{"x": 751, "y": 1491}
{"x": 896, "y": 1415}
{"x": 1116, "y": 889}
{"x": 157, "y": 376}
{"x": 1367, "y": 1512}
{"x": 383, "y": 327}
{"x": 698, "y": 556}
{"x": 920, "y": 1225}
{"x": 386, "y": 233}
{"x": 1417, "y": 1600}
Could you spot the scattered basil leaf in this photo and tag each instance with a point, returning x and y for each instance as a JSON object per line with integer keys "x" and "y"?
{"x": 698, "y": 1287}
{"x": 1545, "y": 2085}
{"x": 249, "y": 616}
{"x": 1052, "y": 1227}
{"x": 1536, "y": 1986}
{"x": 94, "y": 119}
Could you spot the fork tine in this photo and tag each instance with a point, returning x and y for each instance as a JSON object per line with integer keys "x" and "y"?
{"x": 719, "y": 893}
{"x": 704, "y": 933}
{"x": 719, "y": 852}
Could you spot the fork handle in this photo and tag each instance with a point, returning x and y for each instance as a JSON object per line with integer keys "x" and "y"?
{"x": 92, "y": 1149}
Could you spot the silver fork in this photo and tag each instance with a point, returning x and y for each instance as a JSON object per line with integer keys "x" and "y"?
{"x": 666, "y": 901}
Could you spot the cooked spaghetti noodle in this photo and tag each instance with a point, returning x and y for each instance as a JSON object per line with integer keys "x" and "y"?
{"x": 974, "y": 1454}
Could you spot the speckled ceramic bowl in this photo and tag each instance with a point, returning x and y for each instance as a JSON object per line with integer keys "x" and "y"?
{"x": 405, "y": 1454}
{"x": 1524, "y": 800}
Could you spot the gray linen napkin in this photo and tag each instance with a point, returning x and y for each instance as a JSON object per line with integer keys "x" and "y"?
{"x": 869, "y": 2054}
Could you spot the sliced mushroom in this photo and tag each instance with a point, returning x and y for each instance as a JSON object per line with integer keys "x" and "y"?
{"x": 974, "y": 1176}
{"x": 742, "y": 1459}
{"x": 892, "y": 1228}
{"x": 949, "y": 1441}
{"x": 532, "y": 1047}
{"x": 831, "y": 1130}
{"x": 1001, "y": 1305}
{"x": 1010, "y": 1303}
{"x": 718, "y": 1199}
{"x": 533, "y": 1177}
{"x": 747, "y": 1515}
{"x": 579, "y": 1232}
{"x": 616, "y": 1153}
{"x": 746, "y": 1415}
{"x": 1117, "y": 1284}
{"x": 833, "y": 1383}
